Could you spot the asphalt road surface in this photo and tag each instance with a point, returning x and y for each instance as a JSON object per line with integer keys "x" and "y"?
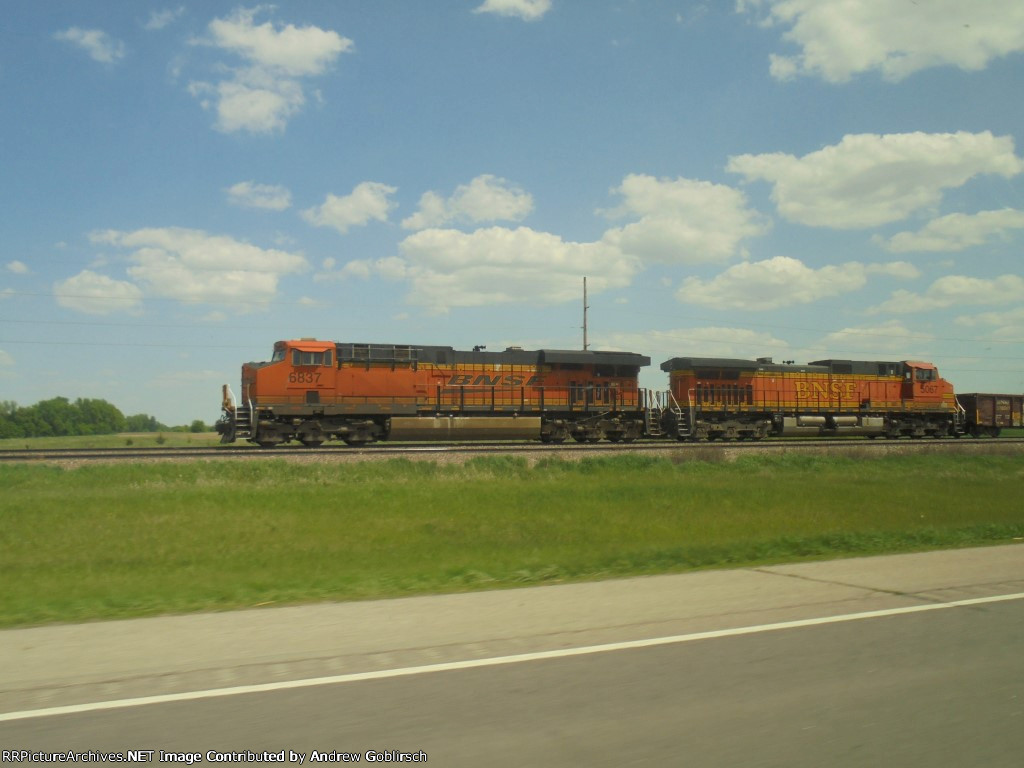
{"x": 911, "y": 660}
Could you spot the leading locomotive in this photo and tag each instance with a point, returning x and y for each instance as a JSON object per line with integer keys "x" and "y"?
{"x": 312, "y": 391}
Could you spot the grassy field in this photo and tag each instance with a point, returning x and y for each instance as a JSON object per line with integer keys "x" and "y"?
{"x": 130, "y": 540}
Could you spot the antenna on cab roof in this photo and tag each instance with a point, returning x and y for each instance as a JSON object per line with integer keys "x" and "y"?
{"x": 585, "y": 308}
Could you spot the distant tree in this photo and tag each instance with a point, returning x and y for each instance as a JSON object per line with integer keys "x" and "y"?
{"x": 9, "y": 427}
{"x": 99, "y": 417}
{"x": 142, "y": 422}
{"x": 58, "y": 417}
{"x": 55, "y": 417}
{"x": 197, "y": 426}
{"x": 30, "y": 424}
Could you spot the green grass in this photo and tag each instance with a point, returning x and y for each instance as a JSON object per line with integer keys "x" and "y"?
{"x": 115, "y": 541}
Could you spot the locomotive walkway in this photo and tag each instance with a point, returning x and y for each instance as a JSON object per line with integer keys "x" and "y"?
{"x": 112, "y": 664}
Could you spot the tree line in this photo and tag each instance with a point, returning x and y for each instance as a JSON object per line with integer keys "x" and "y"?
{"x": 60, "y": 417}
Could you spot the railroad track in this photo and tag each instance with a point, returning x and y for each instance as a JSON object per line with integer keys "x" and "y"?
{"x": 467, "y": 450}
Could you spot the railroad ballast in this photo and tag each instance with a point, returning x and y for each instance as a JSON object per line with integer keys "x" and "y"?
{"x": 313, "y": 391}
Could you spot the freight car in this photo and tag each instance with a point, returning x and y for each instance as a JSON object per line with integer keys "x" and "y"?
{"x": 712, "y": 398}
{"x": 986, "y": 414}
{"x": 314, "y": 391}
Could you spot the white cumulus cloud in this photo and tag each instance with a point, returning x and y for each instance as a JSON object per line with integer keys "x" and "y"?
{"x": 957, "y": 231}
{"x": 262, "y": 95}
{"x": 528, "y": 10}
{"x": 956, "y": 290}
{"x": 781, "y": 282}
{"x": 682, "y": 221}
{"x": 249, "y": 194}
{"x": 838, "y": 39}
{"x": 447, "y": 268}
{"x": 867, "y": 180}
{"x": 675, "y": 221}
{"x": 485, "y": 198}
{"x": 193, "y": 266}
{"x": 369, "y": 201}
{"x": 161, "y": 19}
{"x": 1003, "y": 326}
{"x": 17, "y": 267}
{"x": 98, "y": 44}
{"x": 97, "y": 294}
{"x": 891, "y": 340}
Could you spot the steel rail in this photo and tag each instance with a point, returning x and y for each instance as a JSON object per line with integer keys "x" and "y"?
{"x": 485, "y": 448}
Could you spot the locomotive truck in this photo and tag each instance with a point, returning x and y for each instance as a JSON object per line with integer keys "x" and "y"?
{"x": 312, "y": 391}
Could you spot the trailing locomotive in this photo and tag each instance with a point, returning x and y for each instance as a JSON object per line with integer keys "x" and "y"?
{"x": 750, "y": 399}
{"x": 312, "y": 391}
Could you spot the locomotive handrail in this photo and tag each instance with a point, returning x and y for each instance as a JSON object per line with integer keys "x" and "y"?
{"x": 227, "y": 401}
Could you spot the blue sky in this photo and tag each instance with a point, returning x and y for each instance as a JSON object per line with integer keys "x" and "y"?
{"x": 184, "y": 184}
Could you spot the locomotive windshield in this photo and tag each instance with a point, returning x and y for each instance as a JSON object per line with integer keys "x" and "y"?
{"x": 302, "y": 357}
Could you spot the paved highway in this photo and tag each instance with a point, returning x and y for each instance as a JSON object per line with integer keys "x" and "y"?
{"x": 909, "y": 660}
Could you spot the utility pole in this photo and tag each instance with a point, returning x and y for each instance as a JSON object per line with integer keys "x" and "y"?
{"x": 585, "y": 308}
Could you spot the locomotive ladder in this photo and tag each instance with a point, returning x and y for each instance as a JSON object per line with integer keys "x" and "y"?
{"x": 243, "y": 422}
{"x": 680, "y": 423}
{"x": 652, "y": 422}
{"x": 683, "y": 418}
{"x": 656, "y": 405}
{"x": 651, "y": 407}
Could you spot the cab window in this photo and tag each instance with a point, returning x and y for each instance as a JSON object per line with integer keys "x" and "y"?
{"x": 301, "y": 357}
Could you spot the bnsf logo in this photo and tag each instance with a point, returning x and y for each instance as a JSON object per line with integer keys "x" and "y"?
{"x": 806, "y": 390}
{"x": 467, "y": 380}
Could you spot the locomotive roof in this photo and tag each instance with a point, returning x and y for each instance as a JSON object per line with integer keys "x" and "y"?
{"x": 733, "y": 364}
{"x": 512, "y": 356}
{"x": 592, "y": 357}
{"x": 866, "y": 367}
{"x": 862, "y": 367}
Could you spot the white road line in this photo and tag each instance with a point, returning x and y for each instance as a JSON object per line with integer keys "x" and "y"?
{"x": 495, "y": 661}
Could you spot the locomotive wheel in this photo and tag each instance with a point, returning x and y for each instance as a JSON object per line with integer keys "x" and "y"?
{"x": 312, "y": 443}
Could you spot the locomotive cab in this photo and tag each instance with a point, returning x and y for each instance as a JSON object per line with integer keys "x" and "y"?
{"x": 922, "y": 384}
{"x": 297, "y": 373}
{"x": 291, "y": 382}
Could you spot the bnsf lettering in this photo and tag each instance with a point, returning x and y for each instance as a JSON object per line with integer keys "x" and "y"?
{"x": 806, "y": 390}
{"x": 467, "y": 380}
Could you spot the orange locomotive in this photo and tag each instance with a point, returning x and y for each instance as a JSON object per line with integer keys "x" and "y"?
{"x": 715, "y": 398}
{"x": 314, "y": 391}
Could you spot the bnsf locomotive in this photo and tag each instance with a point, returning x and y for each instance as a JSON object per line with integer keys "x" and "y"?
{"x": 312, "y": 391}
